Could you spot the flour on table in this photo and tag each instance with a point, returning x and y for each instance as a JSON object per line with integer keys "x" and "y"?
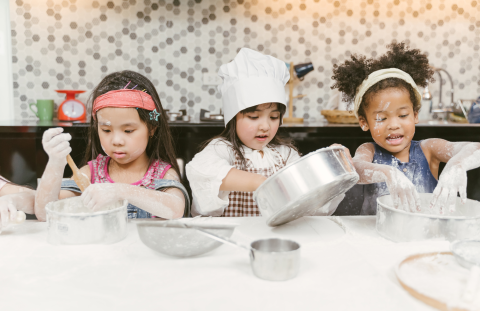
{"x": 439, "y": 277}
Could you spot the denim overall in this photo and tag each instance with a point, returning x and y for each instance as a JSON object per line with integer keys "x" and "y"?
{"x": 133, "y": 211}
{"x": 362, "y": 199}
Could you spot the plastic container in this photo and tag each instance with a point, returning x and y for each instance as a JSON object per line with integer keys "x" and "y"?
{"x": 69, "y": 222}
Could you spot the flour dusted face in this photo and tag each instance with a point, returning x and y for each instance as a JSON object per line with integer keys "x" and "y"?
{"x": 391, "y": 120}
{"x": 123, "y": 136}
{"x": 256, "y": 129}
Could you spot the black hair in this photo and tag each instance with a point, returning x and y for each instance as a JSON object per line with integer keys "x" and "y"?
{"x": 353, "y": 72}
{"x": 160, "y": 145}
{"x": 229, "y": 134}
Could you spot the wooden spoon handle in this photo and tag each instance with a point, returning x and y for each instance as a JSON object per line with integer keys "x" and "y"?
{"x": 72, "y": 164}
{"x": 80, "y": 179}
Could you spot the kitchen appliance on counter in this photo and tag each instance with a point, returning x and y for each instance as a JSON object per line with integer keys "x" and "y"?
{"x": 297, "y": 72}
{"x": 71, "y": 109}
{"x": 180, "y": 116}
{"x": 206, "y": 116}
{"x": 304, "y": 186}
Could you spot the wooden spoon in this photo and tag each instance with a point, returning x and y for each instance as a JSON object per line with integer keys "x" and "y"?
{"x": 80, "y": 179}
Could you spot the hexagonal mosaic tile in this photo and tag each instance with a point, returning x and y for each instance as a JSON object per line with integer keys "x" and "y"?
{"x": 60, "y": 44}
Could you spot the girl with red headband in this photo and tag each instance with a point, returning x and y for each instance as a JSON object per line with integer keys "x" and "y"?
{"x": 130, "y": 154}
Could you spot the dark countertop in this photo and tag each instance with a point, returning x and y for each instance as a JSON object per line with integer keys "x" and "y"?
{"x": 31, "y": 126}
{"x": 23, "y": 160}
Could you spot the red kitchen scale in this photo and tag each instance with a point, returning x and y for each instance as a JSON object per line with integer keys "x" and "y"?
{"x": 71, "y": 109}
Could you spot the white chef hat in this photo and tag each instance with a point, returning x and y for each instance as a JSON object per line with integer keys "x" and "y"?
{"x": 251, "y": 79}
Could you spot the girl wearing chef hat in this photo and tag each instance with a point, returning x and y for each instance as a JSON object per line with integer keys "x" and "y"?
{"x": 130, "y": 154}
{"x": 386, "y": 103}
{"x": 231, "y": 166}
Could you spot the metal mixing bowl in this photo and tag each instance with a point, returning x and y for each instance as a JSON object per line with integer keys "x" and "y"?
{"x": 400, "y": 226}
{"x": 302, "y": 187}
{"x": 173, "y": 239}
{"x": 69, "y": 222}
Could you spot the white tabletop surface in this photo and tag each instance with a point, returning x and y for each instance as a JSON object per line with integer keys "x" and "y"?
{"x": 345, "y": 266}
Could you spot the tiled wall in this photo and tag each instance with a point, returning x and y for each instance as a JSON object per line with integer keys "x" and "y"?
{"x": 73, "y": 44}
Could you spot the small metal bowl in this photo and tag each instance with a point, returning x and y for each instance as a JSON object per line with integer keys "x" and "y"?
{"x": 275, "y": 259}
{"x": 70, "y": 222}
{"x": 173, "y": 239}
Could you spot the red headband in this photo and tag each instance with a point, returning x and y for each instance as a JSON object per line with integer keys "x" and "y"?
{"x": 124, "y": 98}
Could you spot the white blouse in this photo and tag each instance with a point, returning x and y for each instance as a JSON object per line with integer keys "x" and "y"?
{"x": 209, "y": 167}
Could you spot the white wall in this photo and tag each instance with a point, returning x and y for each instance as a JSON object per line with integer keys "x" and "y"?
{"x": 6, "y": 82}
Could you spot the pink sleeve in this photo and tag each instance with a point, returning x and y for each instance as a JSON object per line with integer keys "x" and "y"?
{"x": 90, "y": 164}
{"x": 165, "y": 171}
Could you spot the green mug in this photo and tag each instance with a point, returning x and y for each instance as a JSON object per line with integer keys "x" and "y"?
{"x": 44, "y": 109}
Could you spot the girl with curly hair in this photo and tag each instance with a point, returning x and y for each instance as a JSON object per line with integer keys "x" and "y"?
{"x": 387, "y": 102}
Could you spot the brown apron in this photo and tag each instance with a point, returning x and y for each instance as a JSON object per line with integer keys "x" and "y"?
{"x": 241, "y": 204}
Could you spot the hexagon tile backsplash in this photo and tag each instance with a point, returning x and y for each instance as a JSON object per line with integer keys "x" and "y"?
{"x": 73, "y": 44}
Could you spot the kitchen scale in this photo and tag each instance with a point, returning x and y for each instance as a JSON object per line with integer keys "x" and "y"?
{"x": 71, "y": 109}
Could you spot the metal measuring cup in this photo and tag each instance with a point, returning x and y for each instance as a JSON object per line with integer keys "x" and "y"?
{"x": 467, "y": 254}
{"x": 270, "y": 259}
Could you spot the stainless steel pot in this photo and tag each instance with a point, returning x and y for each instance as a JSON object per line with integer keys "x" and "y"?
{"x": 400, "y": 226}
{"x": 302, "y": 187}
{"x": 271, "y": 259}
{"x": 69, "y": 222}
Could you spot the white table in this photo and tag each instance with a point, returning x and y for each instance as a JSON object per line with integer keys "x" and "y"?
{"x": 344, "y": 267}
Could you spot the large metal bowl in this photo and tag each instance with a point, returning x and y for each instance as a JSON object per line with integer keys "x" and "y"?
{"x": 69, "y": 222}
{"x": 400, "y": 226}
{"x": 302, "y": 187}
{"x": 173, "y": 239}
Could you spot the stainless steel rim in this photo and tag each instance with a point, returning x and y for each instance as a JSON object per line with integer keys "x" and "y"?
{"x": 382, "y": 205}
{"x": 48, "y": 209}
{"x": 266, "y": 182}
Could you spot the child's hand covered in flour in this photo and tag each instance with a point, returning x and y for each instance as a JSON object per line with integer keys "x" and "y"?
{"x": 460, "y": 158}
{"x": 452, "y": 181}
{"x": 56, "y": 145}
{"x": 347, "y": 151}
{"x": 97, "y": 196}
{"x": 402, "y": 190}
{"x": 8, "y": 212}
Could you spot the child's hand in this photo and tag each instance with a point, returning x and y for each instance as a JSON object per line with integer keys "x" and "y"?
{"x": 97, "y": 196}
{"x": 57, "y": 145}
{"x": 347, "y": 152}
{"x": 7, "y": 211}
{"x": 452, "y": 181}
{"x": 403, "y": 192}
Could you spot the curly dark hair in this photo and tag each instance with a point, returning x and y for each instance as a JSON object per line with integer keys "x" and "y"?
{"x": 353, "y": 72}
{"x": 229, "y": 134}
{"x": 160, "y": 145}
